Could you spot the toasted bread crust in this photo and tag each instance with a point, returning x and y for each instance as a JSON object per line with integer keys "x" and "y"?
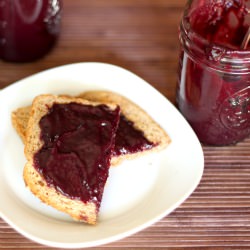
{"x": 20, "y": 118}
{"x": 78, "y": 210}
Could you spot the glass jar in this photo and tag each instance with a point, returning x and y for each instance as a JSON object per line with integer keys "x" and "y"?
{"x": 213, "y": 91}
{"x": 28, "y": 28}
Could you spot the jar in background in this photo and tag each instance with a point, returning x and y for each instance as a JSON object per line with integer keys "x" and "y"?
{"x": 213, "y": 91}
{"x": 28, "y": 28}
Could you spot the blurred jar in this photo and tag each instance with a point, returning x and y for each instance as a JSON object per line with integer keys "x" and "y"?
{"x": 28, "y": 28}
{"x": 213, "y": 90}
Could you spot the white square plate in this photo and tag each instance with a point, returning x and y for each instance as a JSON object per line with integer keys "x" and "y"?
{"x": 138, "y": 192}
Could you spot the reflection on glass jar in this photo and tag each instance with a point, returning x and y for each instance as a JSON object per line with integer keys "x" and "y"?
{"x": 213, "y": 90}
{"x": 28, "y": 29}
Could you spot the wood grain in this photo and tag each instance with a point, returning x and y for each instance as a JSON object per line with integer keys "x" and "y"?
{"x": 142, "y": 36}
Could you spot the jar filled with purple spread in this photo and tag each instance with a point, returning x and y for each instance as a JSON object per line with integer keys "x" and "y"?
{"x": 213, "y": 91}
{"x": 28, "y": 28}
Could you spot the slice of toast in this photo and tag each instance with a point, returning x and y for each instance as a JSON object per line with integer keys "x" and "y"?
{"x": 140, "y": 120}
{"x": 45, "y": 145}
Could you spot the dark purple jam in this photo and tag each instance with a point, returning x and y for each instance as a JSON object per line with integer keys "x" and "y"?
{"x": 222, "y": 22}
{"x": 78, "y": 142}
{"x": 129, "y": 140}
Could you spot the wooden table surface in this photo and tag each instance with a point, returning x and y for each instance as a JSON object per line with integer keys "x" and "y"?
{"x": 142, "y": 36}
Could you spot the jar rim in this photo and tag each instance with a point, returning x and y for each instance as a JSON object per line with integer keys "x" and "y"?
{"x": 212, "y": 54}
